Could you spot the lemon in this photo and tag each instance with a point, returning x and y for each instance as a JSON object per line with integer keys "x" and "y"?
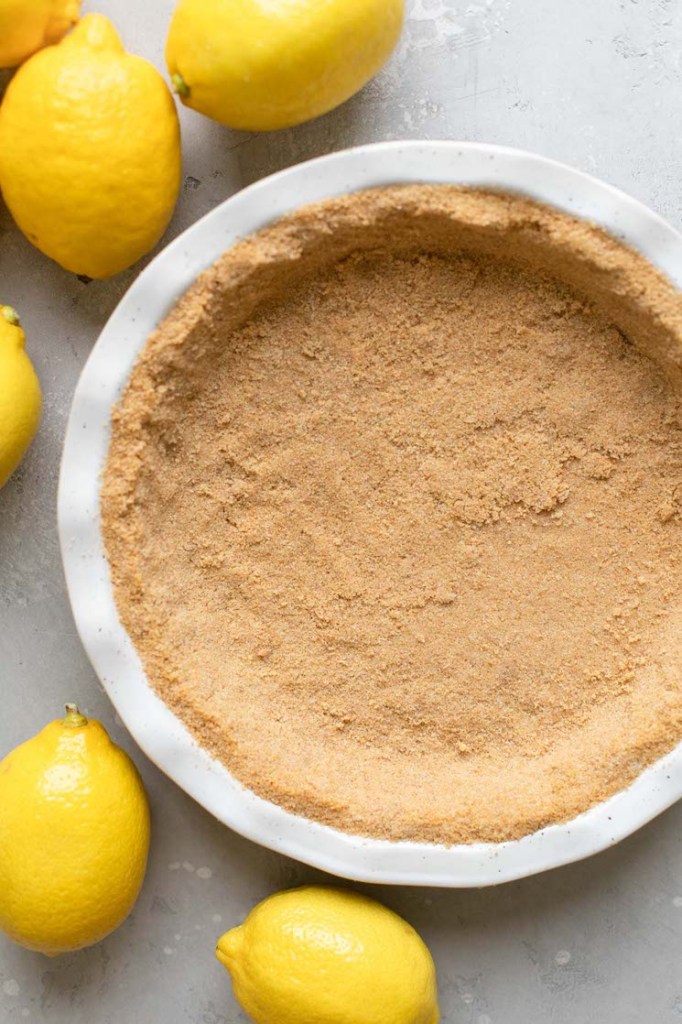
{"x": 74, "y": 836}
{"x": 90, "y": 151}
{"x": 28, "y": 25}
{"x": 318, "y": 955}
{"x": 20, "y": 399}
{"x": 264, "y": 64}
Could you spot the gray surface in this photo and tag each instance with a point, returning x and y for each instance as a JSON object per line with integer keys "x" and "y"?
{"x": 593, "y": 82}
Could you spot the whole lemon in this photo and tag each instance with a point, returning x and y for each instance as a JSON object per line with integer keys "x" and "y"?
{"x": 329, "y": 956}
{"x": 90, "y": 151}
{"x": 28, "y": 25}
{"x": 74, "y": 836}
{"x": 20, "y": 398}
{"x": 265, "y": 64}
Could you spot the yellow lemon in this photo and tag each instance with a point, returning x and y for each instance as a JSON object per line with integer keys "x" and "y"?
{"x": 318, "y": 955}
{"x": 74, "y": 836}
{"x": 90, "y": 151}
{"x": 28, "y": 25}
{"x": 20, "y": 399}
{"x": 264, "y": 64}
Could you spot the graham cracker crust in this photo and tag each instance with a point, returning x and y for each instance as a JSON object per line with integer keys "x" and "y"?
{"x": 393, "y": 509}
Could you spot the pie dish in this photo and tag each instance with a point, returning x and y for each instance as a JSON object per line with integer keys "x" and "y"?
{"x": 556, "y": 471}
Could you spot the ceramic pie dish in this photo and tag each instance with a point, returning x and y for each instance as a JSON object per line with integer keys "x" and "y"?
{"x": 158, "y": 731}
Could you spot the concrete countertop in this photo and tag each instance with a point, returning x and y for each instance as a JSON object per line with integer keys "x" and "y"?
{"x": 597, "y": 85}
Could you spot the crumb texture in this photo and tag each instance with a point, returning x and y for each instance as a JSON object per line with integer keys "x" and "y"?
{"x": 393, "y": 508}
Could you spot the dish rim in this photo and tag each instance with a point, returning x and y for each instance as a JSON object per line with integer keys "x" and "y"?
{"x": 159, "y": 733}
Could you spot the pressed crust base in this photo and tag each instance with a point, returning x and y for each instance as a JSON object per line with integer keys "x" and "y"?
{"x": 393, "y": 509}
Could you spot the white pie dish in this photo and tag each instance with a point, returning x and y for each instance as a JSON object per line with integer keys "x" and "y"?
{"x": 161, "y": 735}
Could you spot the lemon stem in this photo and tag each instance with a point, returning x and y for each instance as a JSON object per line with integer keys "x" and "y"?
{"x": 73, "y": 718}
{"x": 10, "y": 315}
{"x": 180, "y": 85}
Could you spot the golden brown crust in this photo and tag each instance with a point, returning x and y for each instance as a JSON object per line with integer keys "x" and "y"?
{"x": 393, "y": 512}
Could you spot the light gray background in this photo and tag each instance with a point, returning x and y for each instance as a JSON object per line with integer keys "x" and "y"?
{"x": 596, "y": 83}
